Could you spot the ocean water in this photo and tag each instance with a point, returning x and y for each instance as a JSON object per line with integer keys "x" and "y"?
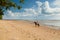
{"x": 55, "y": 24}
{"x": 51, "y": 23}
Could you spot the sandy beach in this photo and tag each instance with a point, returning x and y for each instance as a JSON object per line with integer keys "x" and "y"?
{"x": 26, "y": 30}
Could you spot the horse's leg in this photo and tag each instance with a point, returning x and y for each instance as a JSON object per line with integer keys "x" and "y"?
{"x": 35, "y": 24}
{"x": 38, "y": 25}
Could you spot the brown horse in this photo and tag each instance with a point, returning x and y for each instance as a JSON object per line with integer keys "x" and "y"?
{"x": 36, "y": 24}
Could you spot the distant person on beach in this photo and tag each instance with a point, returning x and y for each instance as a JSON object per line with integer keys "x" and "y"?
{"x": 36, "y": 24}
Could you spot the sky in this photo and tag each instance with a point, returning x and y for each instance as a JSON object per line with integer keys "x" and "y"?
{"x": 35, "y": 10}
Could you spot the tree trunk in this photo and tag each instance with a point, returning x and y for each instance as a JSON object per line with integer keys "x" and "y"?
{"x": 0, "y": 17}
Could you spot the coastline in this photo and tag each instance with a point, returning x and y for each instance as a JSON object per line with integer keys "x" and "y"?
{"x": 26, "y": 30}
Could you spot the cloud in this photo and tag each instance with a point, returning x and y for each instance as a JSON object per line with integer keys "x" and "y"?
{"x": 16, "y": 14}
{"x": 31, "y": 10}
{"x": 49, "y": 10}
{"x": 56, "y": 3}
{"x": 43, "y": 10}
{"x": 28, "y": 12}
{"x": 39, "y": 3}
{"x": 46, "y": 7}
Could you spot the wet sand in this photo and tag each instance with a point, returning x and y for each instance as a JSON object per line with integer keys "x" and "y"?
{"x": 26, "y": 30}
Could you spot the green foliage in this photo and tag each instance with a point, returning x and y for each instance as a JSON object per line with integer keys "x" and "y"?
{"x": 21, "y": 1}
{"x": 19, "y": 7}
{"x": 7, "y": 4}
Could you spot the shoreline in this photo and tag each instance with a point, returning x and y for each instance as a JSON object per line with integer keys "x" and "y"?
{"x": 26, "y": 30}
{"x": 49, "y": 26}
